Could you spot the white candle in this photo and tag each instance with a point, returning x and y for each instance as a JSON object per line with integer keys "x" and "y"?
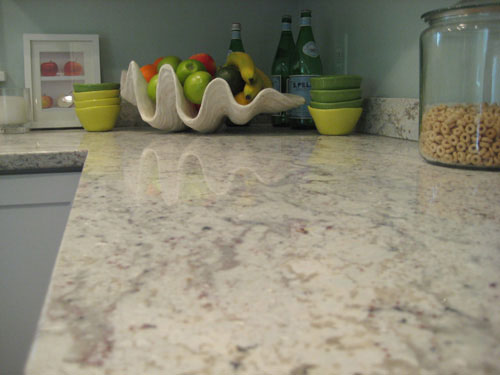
{"x": 13, "y": 110}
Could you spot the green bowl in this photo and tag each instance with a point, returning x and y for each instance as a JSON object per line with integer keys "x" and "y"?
{"x": 333, "y": 96}
{"x": 98, "y": 119}
{"x": 85, "y": 87}
{"x": 348, "y": 104}
{"x": 96, "y": 102}
{"x": 99, "y": 94}
{"x": 336, "y": 82}
{"x": 340, "y": 121}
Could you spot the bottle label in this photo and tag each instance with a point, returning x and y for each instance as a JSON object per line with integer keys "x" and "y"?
{"x": 305, "y": 21}
{"x": 300, "y": 85}
{"x": 235, "y": 34}
{"x": 276, "y": 79}
{"x": 310, "y": 49}
{"x": 286, "y": 26}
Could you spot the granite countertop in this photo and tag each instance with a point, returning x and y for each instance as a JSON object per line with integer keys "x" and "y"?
{"x": 266, "y": 252}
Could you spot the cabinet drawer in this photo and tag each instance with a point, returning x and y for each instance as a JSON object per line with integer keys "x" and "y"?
{"x": 42, "y": 188}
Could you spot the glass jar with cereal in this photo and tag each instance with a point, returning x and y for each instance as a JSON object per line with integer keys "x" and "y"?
{"x": 460, "y": 86}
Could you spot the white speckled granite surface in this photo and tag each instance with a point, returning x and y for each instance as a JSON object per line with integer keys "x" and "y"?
{"x": 392, "y": 117}
{"x": 260, "y": 252}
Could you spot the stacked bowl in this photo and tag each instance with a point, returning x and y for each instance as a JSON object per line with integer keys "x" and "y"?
{"x": 97, "y": 105}
{"x": 335, "y": 103}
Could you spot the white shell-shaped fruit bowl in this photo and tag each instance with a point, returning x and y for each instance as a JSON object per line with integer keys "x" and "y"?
{"x": 173, "y": 112}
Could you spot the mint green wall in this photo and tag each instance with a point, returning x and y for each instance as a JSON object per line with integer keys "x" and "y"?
{"x": 143, "y": 30}
{"x": 382, "y": 35}
{"x": 382, "y": 41}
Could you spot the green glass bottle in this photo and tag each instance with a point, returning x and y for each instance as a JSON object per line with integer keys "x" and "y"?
{"x": 236, "y": 44}
{"x": 280, "y": 69}
{"x": 306, "y": 63}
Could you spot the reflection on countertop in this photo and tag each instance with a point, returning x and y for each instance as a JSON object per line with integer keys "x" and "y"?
{"x": 266, "y": 251}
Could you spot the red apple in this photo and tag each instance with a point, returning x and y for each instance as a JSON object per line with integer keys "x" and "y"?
{"x": 47, "y": 101}
{"x": 206, "y": 60}
{"x": 72, "y": 68}
{"x": 48, "y": 68}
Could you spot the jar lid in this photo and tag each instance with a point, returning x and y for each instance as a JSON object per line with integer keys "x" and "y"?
{"x": 464, "y": 8}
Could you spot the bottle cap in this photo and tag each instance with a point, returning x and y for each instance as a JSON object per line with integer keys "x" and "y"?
{"x": 236, "y": 26}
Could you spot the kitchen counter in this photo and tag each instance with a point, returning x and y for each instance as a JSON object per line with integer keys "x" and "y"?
{"x": 260, "y": 251}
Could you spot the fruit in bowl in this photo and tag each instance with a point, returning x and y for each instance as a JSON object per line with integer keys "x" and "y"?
{"x": 173, "y": 61}
{"x": 232, "y": 76}
{"x": 195, "y": 86}
{"x": 207, "y": 61}
{"x": 148, "y": 71}
{"x": 153, "y": 82}
{"x": 187, "y": 67}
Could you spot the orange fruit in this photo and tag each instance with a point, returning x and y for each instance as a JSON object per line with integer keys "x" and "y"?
{"x": 157, "y": 61}
{"x": 148, "y": 71}
{"x": 241, "y": 99}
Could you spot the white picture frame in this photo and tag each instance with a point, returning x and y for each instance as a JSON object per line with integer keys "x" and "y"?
{"x": 76, "y": 57}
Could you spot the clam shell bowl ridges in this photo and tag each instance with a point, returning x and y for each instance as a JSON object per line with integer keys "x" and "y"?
{"x": 173, "y": 112}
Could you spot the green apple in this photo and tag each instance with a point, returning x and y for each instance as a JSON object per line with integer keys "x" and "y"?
{"x": 195, "y": 85}
{"x": 152, "y": 87}
{"x": 171, "y": 60}
{"x": 187, "y": 67}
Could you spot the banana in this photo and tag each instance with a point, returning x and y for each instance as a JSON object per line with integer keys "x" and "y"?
{"x": 262, "y": 82}
{"x": 240, "y": 98}
{"x": 245, "y": 65}
{"x": 251, "y": 91}
{"x": 265, "y": 79}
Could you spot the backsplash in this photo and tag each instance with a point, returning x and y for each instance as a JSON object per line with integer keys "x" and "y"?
{"x": 392, "y": 117}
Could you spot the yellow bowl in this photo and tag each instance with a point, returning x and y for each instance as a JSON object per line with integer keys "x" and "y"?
{"x": 98, "y": 119}
{"x": 96, "y": 102}
{"x": 340, "y": 121}
{"x": 101, "y": 94}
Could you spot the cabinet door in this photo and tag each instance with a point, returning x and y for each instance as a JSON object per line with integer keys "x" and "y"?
{"x": 33, "y": 214}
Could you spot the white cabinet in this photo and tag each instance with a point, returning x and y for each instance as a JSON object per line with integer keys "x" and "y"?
{"x": 33, "y": 212}
{"x": 53, "y": 63}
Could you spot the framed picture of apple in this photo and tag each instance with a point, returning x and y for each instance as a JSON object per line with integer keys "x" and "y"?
{"x": 52, "y": 64}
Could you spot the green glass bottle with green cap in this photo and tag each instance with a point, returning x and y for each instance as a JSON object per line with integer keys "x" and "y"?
{"x": 306, "y": 63}
{"x": 280, "y": 69}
